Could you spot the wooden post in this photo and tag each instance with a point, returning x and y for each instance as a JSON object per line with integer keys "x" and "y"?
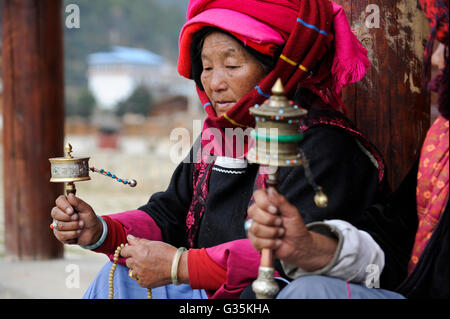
{"x": 389, "y": 105}
{"x": 33, "y": 124}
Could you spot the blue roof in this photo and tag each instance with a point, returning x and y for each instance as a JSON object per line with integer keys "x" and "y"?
{"x": 125, "y": 55}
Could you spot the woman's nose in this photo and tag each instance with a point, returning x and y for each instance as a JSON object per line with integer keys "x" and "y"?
{"x": 218, "y": 81}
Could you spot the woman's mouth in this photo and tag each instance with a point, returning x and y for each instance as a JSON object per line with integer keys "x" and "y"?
{"x": 222, "y": 107}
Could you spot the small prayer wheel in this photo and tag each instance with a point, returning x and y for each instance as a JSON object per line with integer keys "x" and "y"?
{"x": 276, "y": 132}
{"x": 69, "y": 170}
{"x": 277, "y": 138}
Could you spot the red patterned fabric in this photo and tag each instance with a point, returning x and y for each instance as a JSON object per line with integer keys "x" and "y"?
{"x": 432, "y": 185}
{"x": 436, "y": 12}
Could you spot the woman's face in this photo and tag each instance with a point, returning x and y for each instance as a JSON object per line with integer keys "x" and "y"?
{"x": 229, "y": 71}
{"x": 438, "y": 57}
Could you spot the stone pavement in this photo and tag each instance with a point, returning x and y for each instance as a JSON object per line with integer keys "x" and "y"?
{"x": 66, "y": 278}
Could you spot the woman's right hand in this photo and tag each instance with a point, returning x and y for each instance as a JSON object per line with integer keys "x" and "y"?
{"x": 77, "y": 222}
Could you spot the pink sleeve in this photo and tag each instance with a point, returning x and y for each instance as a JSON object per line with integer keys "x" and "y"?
{"x": 241, "y": 261}
{"x": 139, "y": 224}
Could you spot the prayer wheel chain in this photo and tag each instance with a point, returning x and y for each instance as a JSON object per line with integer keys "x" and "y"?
{"x": 113, "y": 269}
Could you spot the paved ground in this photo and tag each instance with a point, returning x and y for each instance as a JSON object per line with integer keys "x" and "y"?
{"x": 66, "y": 278}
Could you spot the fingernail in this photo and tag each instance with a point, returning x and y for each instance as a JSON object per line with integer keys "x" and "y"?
{"x": 81, "y": 224}
{"x": 278, "y": 243}
{"x": 69, "y": 210}
{"x": 272, "y": 209}
{"x": 272, "y": 191}
{"x": 278, "y": 222}
{"x": 74, "y": 217}
{"x": 130, "y": 237}
{"x": 280, "y": 232}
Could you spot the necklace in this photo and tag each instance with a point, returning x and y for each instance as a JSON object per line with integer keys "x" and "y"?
{"x": 113, "y": 269}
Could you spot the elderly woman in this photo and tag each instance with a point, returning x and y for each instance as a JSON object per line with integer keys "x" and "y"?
{"x": 235, "y": 52}
{"x": 411, "y": 226}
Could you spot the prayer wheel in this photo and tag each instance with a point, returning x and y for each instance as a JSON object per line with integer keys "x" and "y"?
{"x": 277, "y": 138}
{"x": 70, "y": 169}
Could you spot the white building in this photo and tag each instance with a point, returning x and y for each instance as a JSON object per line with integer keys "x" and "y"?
{"x": 114, "y": 75}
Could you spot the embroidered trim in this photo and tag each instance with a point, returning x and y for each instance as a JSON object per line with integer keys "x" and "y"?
{"x": 345, "y": 125}
{"x": 227, "y": 171}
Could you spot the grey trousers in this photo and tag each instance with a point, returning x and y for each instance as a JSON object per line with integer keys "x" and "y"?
{"x": 321, "y": 287}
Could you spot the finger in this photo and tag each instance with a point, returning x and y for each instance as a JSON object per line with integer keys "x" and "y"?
{"x": 262, "y": 243}
{"x": 69, "y": 226}
{"x": 66, "y": 236}
{"x": 263, "y": 217}
{"x": 77, "y": 203}
{"x": 64, "y": 205}
{"x": 127, "y": 251}
{"x": 262, "y": 201}
{"x": 60, "y": 215}
{"x": 285, "y": 208}
{"x": 132, "y": 240}
{"x": 130, "y": 263}
{"x": 263, "y": 231}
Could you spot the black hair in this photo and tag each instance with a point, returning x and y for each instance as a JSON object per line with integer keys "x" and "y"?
{"x": 268, "y": 62}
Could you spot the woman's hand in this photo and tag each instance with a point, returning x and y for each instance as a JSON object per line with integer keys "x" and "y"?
{"x": 286, "y": 234}
{"x": 151, "y": 262}
{"x": 76, "y": 221}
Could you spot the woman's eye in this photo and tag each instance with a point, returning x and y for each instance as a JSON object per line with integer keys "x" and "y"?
{"x": 207, "y": 68}
{"x": 232, "y": 67}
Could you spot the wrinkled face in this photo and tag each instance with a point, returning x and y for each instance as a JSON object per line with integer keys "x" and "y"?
{"x": 229, "y": 71}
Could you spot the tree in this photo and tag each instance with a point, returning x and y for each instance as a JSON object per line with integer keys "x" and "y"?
{"x": 139, "y": 102}
{"x": 82, "y": 105}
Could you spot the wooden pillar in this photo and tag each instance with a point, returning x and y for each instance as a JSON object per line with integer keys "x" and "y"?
{"x": 33, "y": 124}
{"x": 389, "y": 105}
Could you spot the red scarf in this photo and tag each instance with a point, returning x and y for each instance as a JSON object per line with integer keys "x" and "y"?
{"x": 320, "y": 52}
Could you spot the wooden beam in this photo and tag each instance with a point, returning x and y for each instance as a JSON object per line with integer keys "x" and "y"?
{"x": 389, "y": 105}
{"x": 33, "y": 124}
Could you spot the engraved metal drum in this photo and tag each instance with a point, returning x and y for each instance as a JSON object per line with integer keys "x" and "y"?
{"x": 65, "y": 170}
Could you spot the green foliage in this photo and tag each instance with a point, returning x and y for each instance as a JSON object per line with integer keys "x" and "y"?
{"x": 81, "y": 105}
{"x": 139, "y": 102}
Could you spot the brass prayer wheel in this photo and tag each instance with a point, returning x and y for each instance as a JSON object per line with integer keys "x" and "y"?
{"x": 69, "y": 169}
{"x": 276, "y": 132}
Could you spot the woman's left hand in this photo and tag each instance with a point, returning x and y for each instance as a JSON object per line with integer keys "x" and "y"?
{"x": 149, "y": 261}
